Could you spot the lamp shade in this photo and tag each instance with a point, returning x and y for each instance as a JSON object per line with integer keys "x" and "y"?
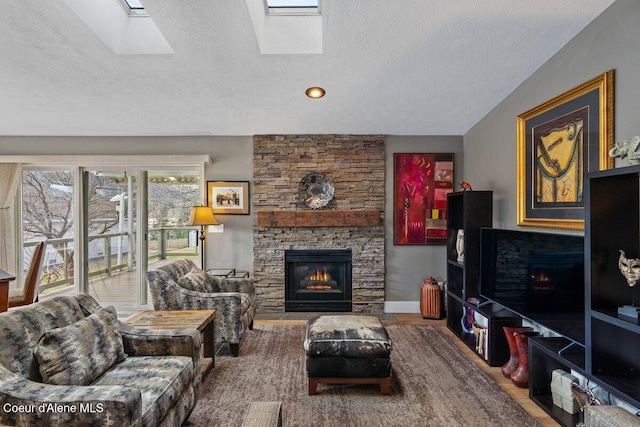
{"x": 202, "y": 215}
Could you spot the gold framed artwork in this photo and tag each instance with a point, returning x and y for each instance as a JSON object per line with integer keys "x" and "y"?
{"x": 558, "y": 142}
{"x": 228, "y": 197}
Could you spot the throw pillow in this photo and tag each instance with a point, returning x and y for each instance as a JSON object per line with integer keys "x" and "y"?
{"x": 196, "y": 280}
{"x": 79, "y": 353}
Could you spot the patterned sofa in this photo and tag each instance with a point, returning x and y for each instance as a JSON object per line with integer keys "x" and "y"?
{"x": 609, "y": 416}
{"x": 181, "y": 285}
{"x": 68, "y": 361}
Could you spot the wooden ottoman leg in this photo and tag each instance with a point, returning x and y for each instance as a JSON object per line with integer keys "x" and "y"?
{"x": 385, "y": 386}
{"x": 313, "y": 384}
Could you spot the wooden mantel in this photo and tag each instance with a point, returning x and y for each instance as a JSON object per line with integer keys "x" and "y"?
{"x": 319, "y": 218}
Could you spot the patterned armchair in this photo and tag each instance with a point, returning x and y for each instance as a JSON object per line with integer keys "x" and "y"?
{"x": 181, "y": 285}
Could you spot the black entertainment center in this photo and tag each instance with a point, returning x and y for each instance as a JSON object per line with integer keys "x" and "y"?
{"x": 537, "y": 276}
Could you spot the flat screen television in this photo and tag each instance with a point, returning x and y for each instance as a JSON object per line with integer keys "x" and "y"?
{"x": 539, "y": 276}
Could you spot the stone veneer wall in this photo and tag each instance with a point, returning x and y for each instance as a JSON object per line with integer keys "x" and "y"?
{"x": 356, "y": 166}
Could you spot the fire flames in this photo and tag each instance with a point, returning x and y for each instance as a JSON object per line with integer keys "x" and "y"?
{"x": 540, "y": 281}
{"x": 540, "y": 277}
{"x": 320, "y": 276}
{"x": 321, "y": 281}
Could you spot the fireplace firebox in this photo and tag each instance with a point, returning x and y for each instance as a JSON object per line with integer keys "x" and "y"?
{"x": 318, "y": 280}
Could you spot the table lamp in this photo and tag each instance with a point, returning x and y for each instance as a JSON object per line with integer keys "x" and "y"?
{"x": 202, "y": 215}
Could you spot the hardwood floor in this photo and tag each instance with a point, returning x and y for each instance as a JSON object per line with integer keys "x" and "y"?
{"x": 518, "y": 394}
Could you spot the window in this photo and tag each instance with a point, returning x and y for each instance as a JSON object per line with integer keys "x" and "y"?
{"x": 133, "y": 7}
{"x": 292, "y": 7}
{"x": 134, "y": 4}
{"x": 292, "y": 3}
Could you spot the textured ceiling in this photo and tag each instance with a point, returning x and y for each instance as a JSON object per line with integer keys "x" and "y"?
{"x": 409, "y": 67}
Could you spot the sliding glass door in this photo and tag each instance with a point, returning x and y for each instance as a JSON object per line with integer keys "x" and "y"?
{"x": 153, "y": 204}
{"x": 171, "y": 195}
{"x": 48, "y": 214}
{"x": 110, "y": 226}
{"x": 106, "y": 226}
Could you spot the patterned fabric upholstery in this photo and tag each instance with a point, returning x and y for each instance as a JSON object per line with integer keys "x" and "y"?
{"x": 609, "y": 416}
{"x": 235, "y": 305}
{"x": 197, "y": 280}
{"x": 79, "y": 353}
{"x": 160, "y": 379}
{"x": 127, "y": 394}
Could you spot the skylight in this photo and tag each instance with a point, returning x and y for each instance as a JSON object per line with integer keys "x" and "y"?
{"x": 134, "y": 4}
{"x": 292, "y": 3}
{"x": 133, "y": 8}
{"x": 292, "y": 7}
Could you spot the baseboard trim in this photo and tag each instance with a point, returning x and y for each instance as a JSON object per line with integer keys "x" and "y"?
{"x": 402, "y": 307}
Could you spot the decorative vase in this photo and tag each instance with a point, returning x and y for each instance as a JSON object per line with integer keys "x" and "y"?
{"x": 512, "y": 364}
{"x": 430, "y": 299}
{"x": 468, "y": 319}
{"x": 520, "y": 377}
{"x": 460, "y": 246}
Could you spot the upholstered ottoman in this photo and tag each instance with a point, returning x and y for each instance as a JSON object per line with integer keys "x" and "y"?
{"x": 348, "y": 349}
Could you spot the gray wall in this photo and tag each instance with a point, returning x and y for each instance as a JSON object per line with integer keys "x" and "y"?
{"x": 232, "y": 161}
{"x": 408, "y": 266}
{"x": 611, "y": 41}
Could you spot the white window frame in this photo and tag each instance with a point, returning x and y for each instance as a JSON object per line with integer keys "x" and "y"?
{"x": 80, "y": 163}
{"x": 133, "y": 12}
{"x": 291, "y": 11}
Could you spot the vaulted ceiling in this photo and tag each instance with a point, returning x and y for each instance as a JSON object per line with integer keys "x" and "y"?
{"x": 405, "y": 67}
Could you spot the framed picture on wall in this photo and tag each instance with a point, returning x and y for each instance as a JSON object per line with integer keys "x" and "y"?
{"x": 558, "y": 142}
{"x": 421, "y": 184}
{"x": 228, "y": 197}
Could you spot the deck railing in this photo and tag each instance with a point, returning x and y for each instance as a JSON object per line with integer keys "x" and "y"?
{"x": 164, "y": 242}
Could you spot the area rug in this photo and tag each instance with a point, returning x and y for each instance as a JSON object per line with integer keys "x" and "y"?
{"x": 433, "y": 384}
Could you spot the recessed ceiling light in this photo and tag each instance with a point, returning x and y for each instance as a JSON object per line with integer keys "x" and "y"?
{"x": 315, "y": 92}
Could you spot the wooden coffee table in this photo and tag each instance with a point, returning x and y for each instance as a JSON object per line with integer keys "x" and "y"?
{"x": 202, "y": 320}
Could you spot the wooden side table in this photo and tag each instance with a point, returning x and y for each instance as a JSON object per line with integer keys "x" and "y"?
{"x": 5, "y": 278}
{"x": 202, "y": 320}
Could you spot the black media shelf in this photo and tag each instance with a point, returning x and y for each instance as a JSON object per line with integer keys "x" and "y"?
{"x": 455, "y": 263}
{"x": 561, "y": 416}
{"x": 456, "y": 295}
{"x": 470, "y": 211}
{"x": 545, "y": 357}
{"x": 612, "y": 223}
{"x": 612, "y": 318}
{"x": 625, "y": 387}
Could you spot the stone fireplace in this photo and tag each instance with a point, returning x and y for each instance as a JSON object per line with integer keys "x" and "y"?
{"x": 353, "y": 220}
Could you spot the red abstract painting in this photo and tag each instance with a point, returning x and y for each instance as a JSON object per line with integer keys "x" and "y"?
{"x": 421, "y": 185}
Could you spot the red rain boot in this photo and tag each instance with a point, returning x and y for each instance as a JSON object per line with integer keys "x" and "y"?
{"x": 520, "y": 377}
{"x": 512, "y": 364}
